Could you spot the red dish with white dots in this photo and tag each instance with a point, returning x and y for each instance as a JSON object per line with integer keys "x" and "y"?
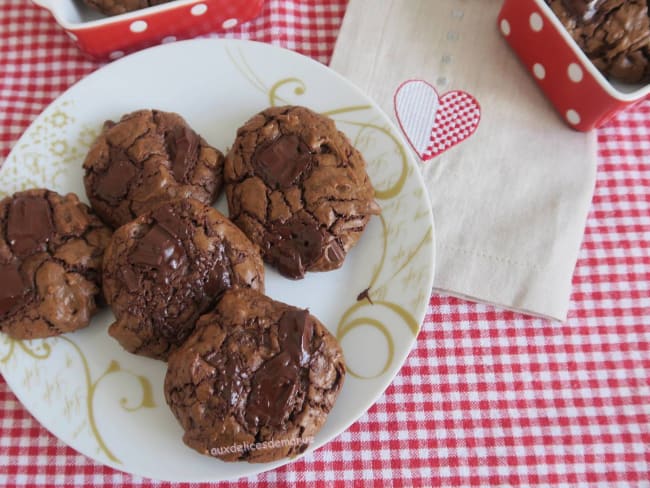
{"x": 583, "y": 97}
{"x": 111, "y": 37}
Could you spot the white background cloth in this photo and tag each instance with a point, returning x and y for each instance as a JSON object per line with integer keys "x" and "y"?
{"x": 510, "y": 203}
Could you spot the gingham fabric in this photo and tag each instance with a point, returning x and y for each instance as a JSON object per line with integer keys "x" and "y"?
{"x": 486, "y": 397}
{"x": 456, "y": 119}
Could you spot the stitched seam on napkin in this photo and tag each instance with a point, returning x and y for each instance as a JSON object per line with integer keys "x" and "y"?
{"x": 490, "y": 256}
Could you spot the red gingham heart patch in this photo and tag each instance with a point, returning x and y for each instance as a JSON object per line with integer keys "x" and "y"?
{"x": 432, "y": 123}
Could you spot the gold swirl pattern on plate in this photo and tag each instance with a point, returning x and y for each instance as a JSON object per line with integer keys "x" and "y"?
{"x": 42, "y": 350}
{"x": 47, "y": 153}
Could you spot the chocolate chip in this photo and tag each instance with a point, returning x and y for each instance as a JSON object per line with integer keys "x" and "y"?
{"x": 219, "y": 279}
{"x": 113, "y": 185}
{"x": 13, "y": 288}
{"x": 281, "y": 162}
{"x": 296, "y": 332}
{"x": 29, "y": 225}
{"x": 295, "y": 245}
{"x": 159, "y": 250}
{"x": 183, "y": 146}
{"x": 273, "y": 390}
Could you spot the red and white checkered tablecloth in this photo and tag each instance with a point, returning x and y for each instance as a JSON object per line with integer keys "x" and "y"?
{"x": 487, "y": 397}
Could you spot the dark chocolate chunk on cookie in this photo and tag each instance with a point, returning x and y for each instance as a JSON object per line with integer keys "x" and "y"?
{"x": 298, "y": 189}
{"x": 51, "y": 249}
{"x": 255, "y": 381}
{"x": 165, "y": 268}
{"x": 147, "y": 158}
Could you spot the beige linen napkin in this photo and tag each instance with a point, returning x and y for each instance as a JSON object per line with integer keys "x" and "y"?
{"x": 510, "y": 202}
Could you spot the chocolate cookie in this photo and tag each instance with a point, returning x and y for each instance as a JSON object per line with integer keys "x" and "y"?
{"x": 298, "y": 189}
{"x": 147, "y": 158}
{"x": 165, "y": 268}
{"x": 614, "y": 34}
{"x": 256, "y": 380}
{"x": 51, "y": 249}
{"x": 115, "y": 7}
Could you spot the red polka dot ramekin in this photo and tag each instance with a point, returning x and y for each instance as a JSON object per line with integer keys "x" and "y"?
{"x": 583, "y": 97}
{"x": 104, "y": 37}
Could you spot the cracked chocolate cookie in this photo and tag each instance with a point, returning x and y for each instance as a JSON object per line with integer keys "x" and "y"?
{"x": 51, "y": 249}
{"x": 255, "y": 381}
{"x": 167, "y": 267}
{"x": 147, "y": 158}
{"x": 614, "y": 34}
{"x": 115, "y": 7}
{"x": 298, "y": 189}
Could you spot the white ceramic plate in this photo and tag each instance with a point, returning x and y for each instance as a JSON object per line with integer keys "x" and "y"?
{"x": 109, "y": 404}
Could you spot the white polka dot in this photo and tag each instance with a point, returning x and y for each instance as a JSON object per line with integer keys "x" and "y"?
{"x": 575, "y": 73}
{"x": 228, "y": 24}
{"x": 199, "y": 9}
{"x": 72, "y": 35}
{"x": 168, "y": 39}
{"x": 138, "y": 26}
{"x": 505, "y": 27}
{"x": 116, "y": 54}
{"x": 539, "y": 71}
{"x": 536, "y": 22}
{"x": 573, "y": 117}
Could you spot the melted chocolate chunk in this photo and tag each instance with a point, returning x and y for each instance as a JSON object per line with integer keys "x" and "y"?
{"x": 274, "y": 388}
{"x": 13, "y": 288}
{"x": 114, "y": 184}
{"x": 161, "y": 247}
{"x": 183, "y": 144}
{"x": 296, "y": 332}
{"x": 219, "y": 279}
{"x": 29, "y": 225}
{"x": 295, "y": 245}
{"x": 275, "y": 384}
{"x": 171, "y": 222}
{"x": 160, "y": 250}
{"x": 281, "y": 162}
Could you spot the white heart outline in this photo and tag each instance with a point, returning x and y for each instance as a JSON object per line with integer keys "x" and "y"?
{"x": 411, "y": 98}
